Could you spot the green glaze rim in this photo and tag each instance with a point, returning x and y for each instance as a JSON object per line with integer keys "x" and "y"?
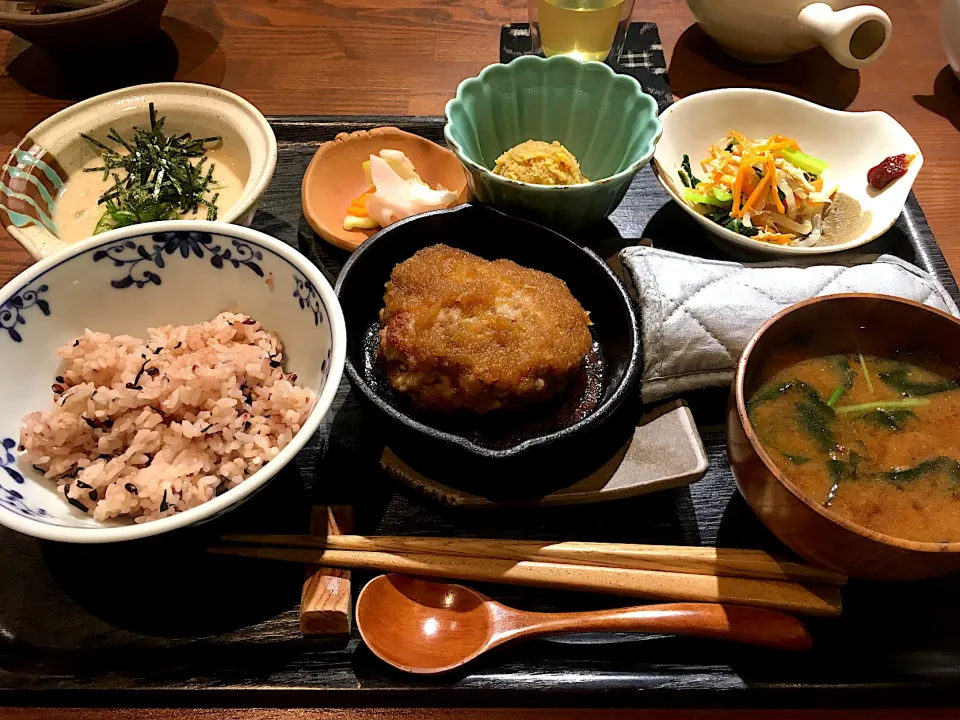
{"x": 624, "y": 175}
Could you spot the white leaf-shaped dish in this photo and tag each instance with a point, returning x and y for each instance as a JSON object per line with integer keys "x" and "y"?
{"x": 850, "y": 142}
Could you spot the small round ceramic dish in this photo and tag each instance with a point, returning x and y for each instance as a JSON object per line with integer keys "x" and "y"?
{"x": 470, "y": 444}
{"x": 52, "y": 155}
{"x": 849, "y": 142}
{"x": 602, "y": 117}
{"x": 67, "y": 32}
{"x": 335, "y": 177}
{"x": 124, "y": 281}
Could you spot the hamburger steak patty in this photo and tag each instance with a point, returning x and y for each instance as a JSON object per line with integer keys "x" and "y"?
{"x": 458, "y": 331}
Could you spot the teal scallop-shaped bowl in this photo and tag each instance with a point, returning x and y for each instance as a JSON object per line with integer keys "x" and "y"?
{"x": 604, "y": 118}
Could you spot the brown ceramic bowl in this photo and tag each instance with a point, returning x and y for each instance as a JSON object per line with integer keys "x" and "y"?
{"x": 124, "y": 21}
{"x": 801, "y": 522}
{"x": 335, "y": 177}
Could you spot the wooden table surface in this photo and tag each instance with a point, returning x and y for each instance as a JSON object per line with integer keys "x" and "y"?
{"x": 406, "y": 57}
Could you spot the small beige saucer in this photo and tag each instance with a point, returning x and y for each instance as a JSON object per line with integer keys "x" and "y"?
{"x": 665, "y": 452}
{"x": 335, "y": 177}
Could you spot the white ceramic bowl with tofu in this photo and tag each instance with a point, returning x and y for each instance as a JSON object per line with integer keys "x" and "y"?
{"x": 39, "y": 180}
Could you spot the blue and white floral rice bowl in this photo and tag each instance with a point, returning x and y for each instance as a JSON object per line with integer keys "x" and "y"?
{"x": 124, "y": 281}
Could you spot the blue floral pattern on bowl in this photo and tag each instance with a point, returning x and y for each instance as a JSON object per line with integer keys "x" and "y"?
{"x": 140, "y": 261}
{"x": 11, "y": 312}
{"x": 7, "y": 459}
{"x": 187, "y": 266}
{"x": 308, "y": 297}
{"x": 12, "y": 499}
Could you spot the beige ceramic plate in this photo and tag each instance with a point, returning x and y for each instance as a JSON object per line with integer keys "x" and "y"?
{"x": 335, "y": 176}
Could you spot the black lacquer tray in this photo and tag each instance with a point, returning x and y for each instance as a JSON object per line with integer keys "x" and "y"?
{"x": 159, "y": 622}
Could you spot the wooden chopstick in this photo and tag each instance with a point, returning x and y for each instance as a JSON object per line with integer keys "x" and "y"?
{"x": 821, "y": 600}
{"x": 754, "y": 564}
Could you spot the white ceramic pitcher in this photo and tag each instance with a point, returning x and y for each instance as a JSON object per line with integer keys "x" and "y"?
{"x": 768, "y": 31}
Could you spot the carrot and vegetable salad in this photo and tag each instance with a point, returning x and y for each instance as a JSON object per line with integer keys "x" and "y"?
{"x": 767, "y": 189}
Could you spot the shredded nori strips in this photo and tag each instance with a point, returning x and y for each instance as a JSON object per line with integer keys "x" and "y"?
{"x": 131, "y": 488}
{"x": 163, "y": 503}
{"x": 93, "y": 495}
{"x": 73, "y": 501}
{"x": 98, "y": 424}
{"x": 136, "y": 380}
{"x": 83, "y": 486}
{"x": 160, "y": 180}
{"x": 77, "y": 504}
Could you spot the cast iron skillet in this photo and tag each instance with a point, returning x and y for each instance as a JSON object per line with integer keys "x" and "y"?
{"x": 465, "y": 438}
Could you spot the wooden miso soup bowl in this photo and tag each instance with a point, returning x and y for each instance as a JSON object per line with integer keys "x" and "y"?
{"x": 798, "y": 520}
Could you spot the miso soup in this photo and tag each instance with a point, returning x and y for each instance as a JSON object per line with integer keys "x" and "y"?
{"x": 875, "y": 438}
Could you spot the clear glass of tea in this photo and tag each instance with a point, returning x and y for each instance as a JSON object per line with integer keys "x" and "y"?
{"x": 583, "y": 29}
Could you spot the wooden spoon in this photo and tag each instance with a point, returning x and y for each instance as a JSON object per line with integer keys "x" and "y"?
{"x": 426, "y": 627}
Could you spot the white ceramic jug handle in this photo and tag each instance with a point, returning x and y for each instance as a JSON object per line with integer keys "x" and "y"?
{"x": 854, "y": 36}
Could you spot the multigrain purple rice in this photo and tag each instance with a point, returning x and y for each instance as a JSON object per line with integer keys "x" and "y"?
{"x": 146, "y": 442}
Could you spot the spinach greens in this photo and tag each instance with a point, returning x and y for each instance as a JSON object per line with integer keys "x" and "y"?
{"x": 723, "y": 217}
{"x": 899, "y": 380}
{"x": 893, "y": 419}
{"x": 686, "y": 173}
{"x": 942, "y": 464}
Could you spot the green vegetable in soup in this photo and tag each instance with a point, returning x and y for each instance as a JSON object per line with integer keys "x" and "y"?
{"x": 814, "y": 417}
{"x": 872, "y": 437}
{"x": 947, "y": 466}
{"x": 840, "y": 471}
{"x": 893, "y": 419}
{"x": 812, "y": 414}
{"x": 846, "y": 383}
{"x": 881, "y": 405}
{"x": 899, "y": 380}
{"x": 866, "y": 372}
{"x": 767, "y": 393}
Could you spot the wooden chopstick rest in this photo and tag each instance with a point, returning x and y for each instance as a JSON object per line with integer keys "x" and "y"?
{"x": 326, "y": 605}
